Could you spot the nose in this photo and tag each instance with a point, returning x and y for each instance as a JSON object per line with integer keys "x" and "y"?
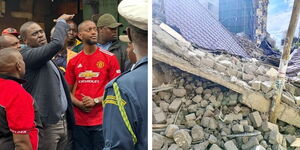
{"x": 40, "y": 34}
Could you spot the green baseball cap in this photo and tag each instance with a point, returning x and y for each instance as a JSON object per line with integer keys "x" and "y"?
{"x": 108, "y": 20}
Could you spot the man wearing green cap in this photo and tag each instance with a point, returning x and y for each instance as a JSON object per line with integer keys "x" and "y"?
{"x": 108, "y": 38}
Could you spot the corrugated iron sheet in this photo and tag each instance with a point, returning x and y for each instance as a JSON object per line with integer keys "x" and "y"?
{"x": 198, "y": 26}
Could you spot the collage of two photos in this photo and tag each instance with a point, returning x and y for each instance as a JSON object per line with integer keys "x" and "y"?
{"x": 223, "y": 75}
{"x": 73, "y": 74}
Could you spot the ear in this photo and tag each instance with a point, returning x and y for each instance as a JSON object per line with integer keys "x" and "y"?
{"x": 128, "y": 30}
{"x": 79, "y": 35}
{"x": 18, "y": 66}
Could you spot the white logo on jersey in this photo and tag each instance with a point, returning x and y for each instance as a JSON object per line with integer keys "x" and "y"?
{"x": 118, "y": 71}
{"x": 79, "y": 66}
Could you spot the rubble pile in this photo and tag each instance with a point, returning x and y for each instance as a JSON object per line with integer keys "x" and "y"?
{"x": 198, "y": 114}
{"x": 249, "y": 74}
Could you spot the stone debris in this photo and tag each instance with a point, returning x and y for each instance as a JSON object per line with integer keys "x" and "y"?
{"x": 210, "y": 117}
{"x": 182, "y": 139}
{"x": 229, "y": 145}
{"x": 256, "y": 119}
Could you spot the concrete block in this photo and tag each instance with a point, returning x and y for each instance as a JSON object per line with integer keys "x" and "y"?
{"x": 174, "y": 147}
{"x": 220, "y": 67}
{"x": 248, "y": 128}
{"x": 248, "y": 77}
{"x": 157, "y": 141}
{"x": 258, "y": 147}
{"x": 179, "y": 92}
{"x": 255, "y": 119}
{"x": 275, "y": 137}
{"x": 182, "y": 139}
{"x": 208, "y": 62}
{"x": 158, "y": 115}
{"x": 170, "y": 130}
{"x": 212, "y": 139}
{"x": 251, "y": 143}
{"x": 229, "y": 145}
{"x": 255, "y": 85}
{"x": 191, "y": 116}
{"x": 197, "y": 99}
{"x": 266, "y": 86}
{"x": 174, "y": 106}
{"x": 237, "y": 128}
{"x": 199, "y": 90}
{"x": 201, "y": 146}
{"x": 288, "y": 99}
{"x": 215, "y": 147}
{"x": 268, "y": 126}
{"x": 197, "y": 133}
{"x": 272, "y": 73}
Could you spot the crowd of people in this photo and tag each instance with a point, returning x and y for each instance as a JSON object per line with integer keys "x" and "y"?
{"x": 83, "y": 90}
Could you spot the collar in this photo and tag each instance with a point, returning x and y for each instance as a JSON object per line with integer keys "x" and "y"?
{"x": 141, "y": 62}
{"x": 20, "y": 81}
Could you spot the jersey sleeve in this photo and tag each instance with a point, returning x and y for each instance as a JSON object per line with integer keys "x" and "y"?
{"x": 115, "y": 68}
{"x": 20, "y": 115}
{"x": 116, "y": 134}
{"x": 70, "y": 73}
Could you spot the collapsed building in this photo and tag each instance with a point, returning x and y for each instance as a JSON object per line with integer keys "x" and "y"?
{"x": 211, "y": 92}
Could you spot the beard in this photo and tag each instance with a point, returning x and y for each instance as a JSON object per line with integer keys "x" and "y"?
{"x": 90, "y": 42}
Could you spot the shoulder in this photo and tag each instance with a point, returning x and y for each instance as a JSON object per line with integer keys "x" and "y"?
{"x": 105, "y": 52}
{"x": 118, "y": 45}
{"x": 12, "y": 87}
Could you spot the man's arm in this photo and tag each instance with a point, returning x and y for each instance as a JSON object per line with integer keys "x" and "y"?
{"x": 36, "y": 57}
{"x": 22, "y": 142}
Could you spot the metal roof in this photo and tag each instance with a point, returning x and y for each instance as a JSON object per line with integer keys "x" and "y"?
{"x": 198, "y": 26}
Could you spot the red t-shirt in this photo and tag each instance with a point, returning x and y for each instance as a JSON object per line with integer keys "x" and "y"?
{"x": 19, "y": 110}
{"x": 89, "y": 74}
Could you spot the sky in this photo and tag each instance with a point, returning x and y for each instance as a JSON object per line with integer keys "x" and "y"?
{"x": 279, "y": 15}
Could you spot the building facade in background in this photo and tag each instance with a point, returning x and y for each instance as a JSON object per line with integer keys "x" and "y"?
{"x": 212, "y": 6}
{"x": 245, "y": 16}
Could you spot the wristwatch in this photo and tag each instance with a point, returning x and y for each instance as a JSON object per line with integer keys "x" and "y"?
{"x": 96, "y": 101}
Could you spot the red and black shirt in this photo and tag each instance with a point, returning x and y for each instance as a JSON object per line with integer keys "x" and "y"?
{"x": 16, "y": 113}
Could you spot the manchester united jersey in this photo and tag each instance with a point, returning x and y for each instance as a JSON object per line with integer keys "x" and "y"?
{"x": 89, "y": 74}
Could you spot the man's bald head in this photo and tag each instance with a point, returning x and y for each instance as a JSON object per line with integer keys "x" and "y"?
{"x": 11, "y": 63}
{"x": 8, "y": 40}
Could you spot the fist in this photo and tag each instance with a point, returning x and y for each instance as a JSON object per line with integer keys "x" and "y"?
{"x": 66, "y": 17}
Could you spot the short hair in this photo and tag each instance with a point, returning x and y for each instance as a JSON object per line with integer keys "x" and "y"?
{"x": 3, "y": 40}
{"x": 138, "y": 36}
{"x": 82, "y": 24}
{"x": 24, "y": 27}
{"x": 72, "y": 22}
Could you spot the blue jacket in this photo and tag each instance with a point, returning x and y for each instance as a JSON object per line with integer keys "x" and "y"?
{"x": 133, "y": 87}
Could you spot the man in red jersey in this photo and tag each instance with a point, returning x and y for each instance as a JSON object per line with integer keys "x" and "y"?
{"x": 17, "y": 126}
{"x": 87, "y": 74}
